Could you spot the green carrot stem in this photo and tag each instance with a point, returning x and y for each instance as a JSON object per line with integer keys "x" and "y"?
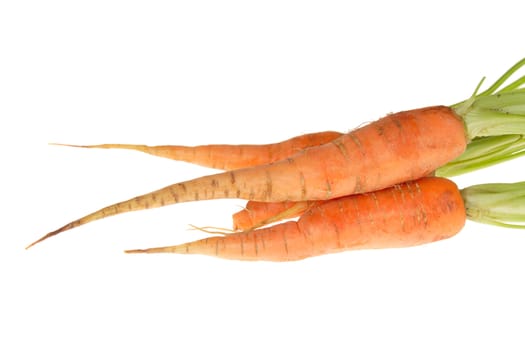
{"x": 484, "y": 152}
{"x": 497, "y": 110}
{"x": 494, "y": 122}
{"x": 499, "y": 204}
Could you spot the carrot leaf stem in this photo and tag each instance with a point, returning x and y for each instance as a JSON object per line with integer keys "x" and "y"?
{"x": 504, "y": 78}
{"x": 499, "y": 204}
{"x": 494, "y": 122}
{"x": 497, "y": 110}
{"x": 484, "y": 152}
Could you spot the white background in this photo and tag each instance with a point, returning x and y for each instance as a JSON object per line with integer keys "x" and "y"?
{"x": 200, "y": 72}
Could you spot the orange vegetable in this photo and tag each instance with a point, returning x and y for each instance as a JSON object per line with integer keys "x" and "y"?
{"x": 413, "y": 213}
{"x": 409, "y": 214}
{"x": 399, "y": 147}
{"x": 229, "y": 157}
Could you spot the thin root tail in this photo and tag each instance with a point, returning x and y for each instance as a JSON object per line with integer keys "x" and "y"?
{"x": 149, "y": 250}
{"x": 136, "y": 251}
{"x": 51, "y": 234}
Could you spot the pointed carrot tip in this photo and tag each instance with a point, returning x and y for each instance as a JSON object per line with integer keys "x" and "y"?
{"x": 150, "y": 250}
{"x": 52, "y": 233}
{"x": 135, "y": 251}
{"x": 65, "y": 145}
{"x": 35, "y": 242}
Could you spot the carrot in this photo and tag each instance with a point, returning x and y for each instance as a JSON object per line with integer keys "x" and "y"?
{"x": 229, "y": 157}
{"x": 408, "y": 214}
{"x": 399, "y": 147}
{"x": 413, "y": 213}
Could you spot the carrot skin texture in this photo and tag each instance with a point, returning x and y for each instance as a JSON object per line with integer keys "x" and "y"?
{"x": 409, "y": 214}
{"x": 257, "y": 214}
{"x": 230, "y": 157}
{"x": 397, "y": 148}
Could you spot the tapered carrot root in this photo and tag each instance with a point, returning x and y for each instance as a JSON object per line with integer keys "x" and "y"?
{"x": 399, "y": 147}
{"x": 409, "y": 214}
{"x": 229, "y": 157}
{"x": 258, "y": 214}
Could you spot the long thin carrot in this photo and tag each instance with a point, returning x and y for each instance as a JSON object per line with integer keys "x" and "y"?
{"x": 399, "y": 147}
{"x": 409, "y": 214}
{"x": 413, "y": 213}
{"x": 229, "y": 157}
{"x": 493, "y": 121}
{"x": 481, "y": 152}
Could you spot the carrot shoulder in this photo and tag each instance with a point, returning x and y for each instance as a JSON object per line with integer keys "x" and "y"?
{"x": 404, "y": 215}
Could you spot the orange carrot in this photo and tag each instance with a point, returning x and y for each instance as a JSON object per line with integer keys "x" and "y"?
{"x": 229, "y": 157}
{"x": 404, "y": 215}
{"x": 493, "y": 119}
{"x": 399, "y": 147}
{"x": 413, "y": 213}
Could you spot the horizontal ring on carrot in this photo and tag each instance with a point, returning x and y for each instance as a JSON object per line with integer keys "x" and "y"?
{"x": 409, "y": 214}
{"x": 397, "y": 148}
